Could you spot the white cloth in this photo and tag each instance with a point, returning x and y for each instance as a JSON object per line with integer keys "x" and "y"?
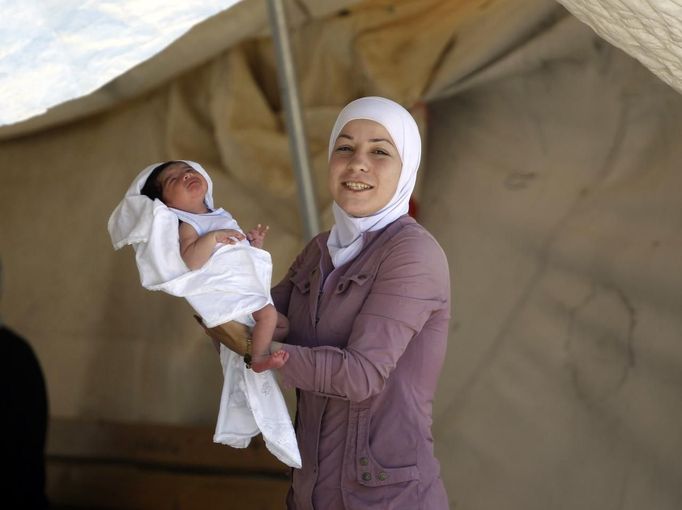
{"x": 214, "y": 220}
{"x": 232, "y": 284}
{"x": 345, "y": 239}
{"x": 251, "y": 403}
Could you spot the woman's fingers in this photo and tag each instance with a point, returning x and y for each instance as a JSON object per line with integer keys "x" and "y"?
{"x": 208, "y": 331}
{"x": 233, "y": 335}
{"x": 201, "y": 322}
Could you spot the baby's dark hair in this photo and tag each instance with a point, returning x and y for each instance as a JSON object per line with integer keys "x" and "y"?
{"x": 152, "y": 186}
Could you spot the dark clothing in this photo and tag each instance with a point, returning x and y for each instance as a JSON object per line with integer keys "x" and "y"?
{"x": 366, "y": 347}
{"x": 23, "y": 400}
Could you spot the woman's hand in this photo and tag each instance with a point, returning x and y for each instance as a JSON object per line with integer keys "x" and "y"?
{"x": 237, "y": 337}
{"x": 256, "y": 236}
{"x": 233, "y": 335}
{"x": 281, "y": 329}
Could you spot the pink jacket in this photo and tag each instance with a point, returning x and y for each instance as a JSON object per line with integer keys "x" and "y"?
{"x": 365, "y": 352}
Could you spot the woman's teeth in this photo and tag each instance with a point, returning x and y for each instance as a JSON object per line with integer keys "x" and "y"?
{"x": 357, "y": 186}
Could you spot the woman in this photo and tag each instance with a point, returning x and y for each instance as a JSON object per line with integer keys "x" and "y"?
{"x": 368, "y": 306}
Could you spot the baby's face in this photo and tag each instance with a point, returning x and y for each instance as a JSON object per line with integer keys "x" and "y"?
{"x": 183, "y": 188}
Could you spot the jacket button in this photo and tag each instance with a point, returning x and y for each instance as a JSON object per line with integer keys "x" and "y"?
{"x": 363, "y": 461}
{"x": 366, "y": 476}
{"x": 382, "y": 475}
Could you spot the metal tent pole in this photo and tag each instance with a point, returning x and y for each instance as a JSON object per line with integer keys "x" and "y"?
{"x": 286, "y": 75}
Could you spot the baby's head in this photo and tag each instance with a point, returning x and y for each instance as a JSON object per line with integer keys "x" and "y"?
{"x": 177, "y": 185}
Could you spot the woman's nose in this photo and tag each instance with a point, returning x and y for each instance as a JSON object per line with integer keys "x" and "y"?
{"x": 358, "y": 163}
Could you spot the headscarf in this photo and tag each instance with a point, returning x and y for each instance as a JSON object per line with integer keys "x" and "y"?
{"x": 346, "y": 237}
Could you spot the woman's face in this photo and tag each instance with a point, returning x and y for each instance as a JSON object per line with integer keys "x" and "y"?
{"x": 364, "y": 168}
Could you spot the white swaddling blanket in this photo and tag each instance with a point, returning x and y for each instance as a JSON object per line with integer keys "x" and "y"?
{"x": 233, "y": 283}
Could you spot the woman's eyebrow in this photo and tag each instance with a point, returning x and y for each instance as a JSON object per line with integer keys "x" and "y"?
{"x": 373, "y": 140}
{"x": 382, "y": 140}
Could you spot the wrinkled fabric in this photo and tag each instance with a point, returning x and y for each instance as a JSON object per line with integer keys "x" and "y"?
{"x": 365, "y": 352}
{"x": 250, "y": 404}
{"x": 648, "y": 30}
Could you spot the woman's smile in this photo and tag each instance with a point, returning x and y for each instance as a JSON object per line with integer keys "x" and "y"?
{"x": 357, "y": 186}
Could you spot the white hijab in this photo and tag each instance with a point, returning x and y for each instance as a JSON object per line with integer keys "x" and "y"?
{"x": 346, "y": 237}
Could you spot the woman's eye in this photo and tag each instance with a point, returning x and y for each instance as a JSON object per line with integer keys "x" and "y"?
{"x": 381, "y": 152}
{"x": 343, "y": 148}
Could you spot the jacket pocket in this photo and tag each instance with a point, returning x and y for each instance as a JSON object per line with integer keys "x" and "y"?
{"x": 369, "y": 472}
{"x": 360, "y": 279}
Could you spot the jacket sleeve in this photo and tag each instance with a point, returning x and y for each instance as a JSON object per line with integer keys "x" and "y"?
{"x": 281, "y": 293}
{"x": 412, "y": 283}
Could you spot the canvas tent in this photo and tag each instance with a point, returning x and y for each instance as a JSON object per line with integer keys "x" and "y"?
{"x": 550, "y": 179}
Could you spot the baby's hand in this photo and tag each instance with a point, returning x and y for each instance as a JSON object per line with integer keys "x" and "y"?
{"x": 228, "y": 236}
{"x": 256, "y": 236}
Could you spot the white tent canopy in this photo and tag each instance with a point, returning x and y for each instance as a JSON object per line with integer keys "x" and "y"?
{"x": 550, "y": 177}
{"x": 59, "y": 51}
{"x": 649, "y": 30}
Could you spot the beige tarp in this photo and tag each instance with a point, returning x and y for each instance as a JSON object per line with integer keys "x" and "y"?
{"x": 550, "y": 178}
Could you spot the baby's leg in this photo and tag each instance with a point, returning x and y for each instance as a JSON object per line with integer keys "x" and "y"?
{"x": 261, "y": 337}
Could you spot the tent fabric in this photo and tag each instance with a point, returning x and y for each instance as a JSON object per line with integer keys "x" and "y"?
{"x": 649, "y": 30}
{"x": 201, "y": 43}
{"x": 549, "y": 177}
{"x": 63, "y": 50}
{"x": 556, "y": 195}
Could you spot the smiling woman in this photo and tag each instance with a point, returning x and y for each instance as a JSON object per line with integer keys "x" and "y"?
{"x": 368, "y": 305}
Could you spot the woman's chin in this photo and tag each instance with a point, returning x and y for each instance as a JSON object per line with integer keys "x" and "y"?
{"x": 360, "y": 204}
{"x": 356, "y": 212}
{"x": 358, "y": 209}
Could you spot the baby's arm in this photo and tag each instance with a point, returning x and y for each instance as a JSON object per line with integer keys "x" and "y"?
{"x": 196, "y": 250}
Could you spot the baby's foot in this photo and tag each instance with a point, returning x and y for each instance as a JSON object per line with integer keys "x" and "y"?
{"x": 274, "y": 360}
